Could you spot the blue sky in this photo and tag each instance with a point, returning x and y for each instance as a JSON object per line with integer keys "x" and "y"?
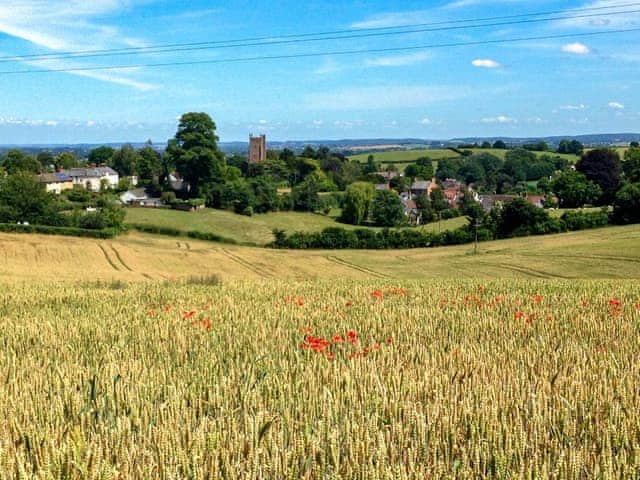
{"x": 545, "y": 87}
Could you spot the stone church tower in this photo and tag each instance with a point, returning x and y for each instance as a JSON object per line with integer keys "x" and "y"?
{"x": 257, "y": 149}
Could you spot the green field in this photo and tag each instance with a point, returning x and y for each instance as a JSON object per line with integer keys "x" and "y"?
{"x": 254, "y": 230}
{"x": 404, "y": 156}
{"x": 500, "y": 153}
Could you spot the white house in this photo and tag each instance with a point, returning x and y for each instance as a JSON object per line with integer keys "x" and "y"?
{"x": 133, "y": 196}
{"x": 92, "y": 178}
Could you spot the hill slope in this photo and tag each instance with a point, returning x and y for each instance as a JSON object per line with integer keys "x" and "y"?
{"x": 604, "y": 253}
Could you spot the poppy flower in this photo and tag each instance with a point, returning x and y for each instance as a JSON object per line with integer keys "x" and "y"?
{"x": 614, "y": 302}
{"x": 536, "y": 298}
{"x": 377, "y": 294}
{"x": 348, "y": 304}
{"x": 519, "y": 315}
{"x": 585, "y": 303}
{"x": 337, "y": 339}
{"x": 167, "y": 308}
{"x": 389, "y": 340}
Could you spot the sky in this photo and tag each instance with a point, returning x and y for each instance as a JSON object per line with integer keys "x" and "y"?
{"x": 560, "y": 86}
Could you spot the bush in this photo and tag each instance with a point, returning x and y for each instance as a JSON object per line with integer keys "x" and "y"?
{"x": 66, "y": 231}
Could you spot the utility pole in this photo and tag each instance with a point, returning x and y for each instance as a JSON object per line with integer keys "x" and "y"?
{"x": 475, "y": 245}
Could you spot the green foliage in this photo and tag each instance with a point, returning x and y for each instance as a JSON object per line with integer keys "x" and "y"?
{"x": 519, "y": 218}
{"x": 356, "y": 204}
{"x": 602, "y": 166}
{"x": 422, "y": 168}
{"x": 631, "y": 165}
{"x": 24, "y": 199}
{"x": 149, "y": 164}
{"x": 438, "y": 200}
{"x": 387, "y": 210}
{"x": 573, "y": 147}
{"x": 626, "y": 205}
{"x": 499, "y": 144}
{"x": 574, "y": 190}
{"x": 65, "y": 161}
{"x": 194, "y": 151}
{"x": 101, "y": 155}
{"x": 55, "y": 230}
{"x": 17, "y": 161}
{"x": 305, "y": 194}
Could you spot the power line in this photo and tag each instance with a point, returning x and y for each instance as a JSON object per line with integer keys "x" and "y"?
{"x": 308, "y": 37}
{"x": 325, "y": 53}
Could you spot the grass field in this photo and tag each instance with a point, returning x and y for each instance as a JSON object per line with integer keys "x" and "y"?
{"x": 500, "y": 153}
{"x": 344, "y": 379}
{"x": 254, "y": 230}
{"x": 404, "y": 156}
{"x": 604, "y": 253}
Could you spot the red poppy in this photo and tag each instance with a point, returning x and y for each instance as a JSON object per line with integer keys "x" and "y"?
{"x": 187, "y": 315}
{"x": 519, "y": 315}
{"x": 167, "y": 308}
{"x": 389, "y": 340}
{"x": 614, "y": 302}
{"x": 306, "y": 330}
{"x": 377, "y": 294}
{"x": 585, "y": 303}
{"x": 536, "y": 298}
{"x": 330, "y": 355}
{"x": 151, "y": 313}
{"x": 348, "y": 304}
{"x": 337, "y": 339}
{"x": 376, "y": 347}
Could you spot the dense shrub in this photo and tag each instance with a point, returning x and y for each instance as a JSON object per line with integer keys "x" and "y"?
{"x": 66, "y": 231}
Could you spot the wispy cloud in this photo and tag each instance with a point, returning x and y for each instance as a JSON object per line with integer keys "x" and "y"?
{"x": 328, "y": 67}
{"x": 580, "y": 106}
{"x": 384, "y": 97}
{"x": 398, "y": 60}
{"x": 616, "y": 105}
{"x": 485, "y": 63}
{"x": 393, "y": 19}
{"x": 602, "y": 20}
{"x": 499, "y": 119}
{"x": 576, "y": 48}
{"x": 63, "y": 25}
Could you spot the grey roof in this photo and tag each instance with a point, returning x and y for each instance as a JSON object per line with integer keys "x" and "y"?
{"x": 54, "y": 177}
{"x": 421, "y": 185}
{"x": 91, "y": 172}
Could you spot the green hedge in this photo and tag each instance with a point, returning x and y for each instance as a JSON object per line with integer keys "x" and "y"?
{"x": 66, "y": 231}
{"x": 174, "y": 232}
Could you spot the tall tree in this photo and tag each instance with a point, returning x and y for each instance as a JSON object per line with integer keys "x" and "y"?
{"x": 194, "y": 151}
{"x": 24, "y": 199}
{"x": 101, "y": 155}
{"x": 17, "y": 161}
{"x": 149, "y": 163}
{"x": 357, "y": 200}
{"x": 387, "y": 209}
{"x": 125, "y": 161}
{"x": 65, "y": 160}
{"x": 602, "y": 166}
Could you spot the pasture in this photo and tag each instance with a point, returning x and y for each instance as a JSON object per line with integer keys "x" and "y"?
{"x": 404, "y": 156}
{"x": 371, "y": 379}
{"x": 255, "y": 230}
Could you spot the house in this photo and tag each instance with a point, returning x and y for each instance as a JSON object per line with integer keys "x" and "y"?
{"x": 540, "y": 200}
{"x": 140, "y": 198}
{"x": 412, "y": 213}
{"x": 451, "y": 183}
{"x": 422, "y": 187}
{"x": 452, "y": 195}
{"x": 388, "y": 176}
{"x": 56, "y": 182}
{"x": 490, "y": 201}
{"x": 131, "y": 196}
{"x": 93, "y": 178}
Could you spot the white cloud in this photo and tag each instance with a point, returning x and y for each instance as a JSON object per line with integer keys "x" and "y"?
{"x": 262, "y": 122}
{"x": 616, "y": 105}
{"x": 90, "y": 123}
{"x": 577, "y": 48}
{"x": 392, "y": 19}
{"x": 398, "y": 60}
{"x": 485, "y": 63}
{"x": 386, "y": 97}
{"x": 580, "y": 106}
{"x": 499, "y": 119}
{"x": 63, "y": 25}
{"x": 426, "y": 121}
{"x": 329, "y": 66}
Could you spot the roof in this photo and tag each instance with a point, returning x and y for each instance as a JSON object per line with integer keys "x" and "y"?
{"x": 138, "y": 193}
{"x": 421, "y": 185}
{"x": 382, "y": 186}
{"x": 410, "y": 205}
{"x": 91, "y": 172}
{"x": 57, "y": 177}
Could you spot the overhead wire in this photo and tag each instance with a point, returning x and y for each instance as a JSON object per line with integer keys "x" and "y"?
{"x": 325, "y": 53}
{"x": 323, "y": 36}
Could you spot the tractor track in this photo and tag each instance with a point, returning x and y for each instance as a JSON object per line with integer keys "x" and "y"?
{"x": 246, "y": 264}
{"x": 353, "y": 266}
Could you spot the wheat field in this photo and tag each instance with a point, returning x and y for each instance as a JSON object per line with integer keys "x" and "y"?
{"x": 342, "y": 379}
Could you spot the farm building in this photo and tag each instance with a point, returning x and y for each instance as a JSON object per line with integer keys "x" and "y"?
{"x": 93, "y": 178}
{"x": 56, "y": 182}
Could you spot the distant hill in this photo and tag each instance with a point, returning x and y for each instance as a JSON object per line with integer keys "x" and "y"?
{"x": 361, "y": 145}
